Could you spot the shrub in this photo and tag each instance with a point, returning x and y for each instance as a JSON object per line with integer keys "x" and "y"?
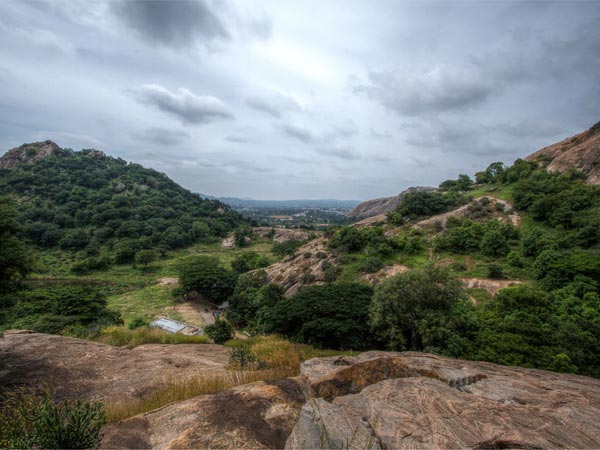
{"x": 287, "y": 248}
{"x": 248, "y": 261}
{"x": 220, "y": 331}
{"x": 244, "y": 358}
{"x": 37, "y": 421}
{"x": 495, "y": 271}
{"x": 137, "y": 323}
{"x": 371, "y": 265}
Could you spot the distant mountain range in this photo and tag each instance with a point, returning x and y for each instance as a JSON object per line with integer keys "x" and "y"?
{"x": 235, "y": 202}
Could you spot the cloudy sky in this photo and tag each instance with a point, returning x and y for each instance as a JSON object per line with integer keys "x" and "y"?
{"x": 300, "y": 99}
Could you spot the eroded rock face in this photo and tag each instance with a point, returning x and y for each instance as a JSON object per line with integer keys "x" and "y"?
{"x": 413, "y": 400}
{"x": 75, "y": 368}
{"x": 307, "y": 267}
{"x": 581, "y": 152}
{"x": 29, "y": 153}
{"x": 281, "y": 234}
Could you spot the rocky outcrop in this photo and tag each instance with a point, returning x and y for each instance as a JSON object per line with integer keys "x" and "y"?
{"x": 281, "y": 234}
{"x": 373, "y": 400}
{"x": 75, "y": 368}
{"x": 27, "y": 153}
{"x": 310, "y": 265}
{"x": 581, "y": 152}
{"x": 413, "y": 400}
{"x": 256, "y": 415}
{"x": 382, "y": 205}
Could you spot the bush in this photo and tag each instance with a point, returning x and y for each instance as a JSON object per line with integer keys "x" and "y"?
{"x": 248, "y": 261}
{"x": 495, "y": 271}
{"x": 286, "y": 248}
{"x": 37, "y": 421}
{"x": 137, "y": 323}
{"x": 220, "y": 331}
{"x": 371, "y": 265}
{"x": 244, "y": 358}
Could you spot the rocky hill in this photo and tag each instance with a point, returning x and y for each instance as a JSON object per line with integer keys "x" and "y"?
{"x": 29, "y": 153}
{"x": 77, "y": 200}
{"x": 381, "y": 205}
{"x": 581, "y": 151}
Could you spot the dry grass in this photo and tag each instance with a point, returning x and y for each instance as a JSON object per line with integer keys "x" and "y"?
{"x": 282, "y": 360}
{"x": 182, "y": 389}
{"x": 120, "y": 336}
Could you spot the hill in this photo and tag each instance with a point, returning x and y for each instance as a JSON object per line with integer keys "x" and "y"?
{"x": 581, "y": 152}
{"x": 382, "y": 205}
{"x": 102, "y": 208}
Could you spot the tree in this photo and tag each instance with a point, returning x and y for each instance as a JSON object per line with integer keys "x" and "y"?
{"x": 15, "y": 261}
{"x": 220, "y": 331}
{"x": 418, "y": 309}
{"x": 248, "y": 261}
{"x": 330, "y": 316}
{"x": 145, "y": 257}
{"x": 206, "y": 276}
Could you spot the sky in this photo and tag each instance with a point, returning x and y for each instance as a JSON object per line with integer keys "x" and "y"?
{"x": 300, "y": 99}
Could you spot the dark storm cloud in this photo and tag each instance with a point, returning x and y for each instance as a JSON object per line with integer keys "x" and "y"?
{"x": 435, "y": 90}
{"x": 183, "y": 104}
{"x": 176, "y": 23}
{"x": 274, "y": 104}
{"x": 164, "y": 136}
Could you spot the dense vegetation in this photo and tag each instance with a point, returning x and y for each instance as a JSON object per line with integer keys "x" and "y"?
{"x": 106, "y": 211}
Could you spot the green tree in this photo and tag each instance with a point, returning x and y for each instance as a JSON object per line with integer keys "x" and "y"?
{"x": 220, "y": 331}
{"x": 15, "y": 261}
{"x": 145, "y": 257}
{"x": 418, "y": 309}
{"x": 330, "y": 316}
{"x": 248, "y": 261}
{"x": 206, "y": 276}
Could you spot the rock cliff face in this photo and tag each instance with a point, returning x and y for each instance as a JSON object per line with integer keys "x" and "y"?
{"x": 581, "y": 151}
{"x": 29, "y": 153}
{"x": 382, "y": 205}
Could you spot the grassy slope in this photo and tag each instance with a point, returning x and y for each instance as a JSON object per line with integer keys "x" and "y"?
{"x": 136, "y": 292}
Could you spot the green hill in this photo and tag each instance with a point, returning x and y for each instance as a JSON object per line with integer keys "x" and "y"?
{"x": 104, "y": 209}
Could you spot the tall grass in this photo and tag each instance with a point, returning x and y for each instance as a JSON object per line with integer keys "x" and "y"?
{"x": 120, "y": 336}
{"x": 281, "y": 357}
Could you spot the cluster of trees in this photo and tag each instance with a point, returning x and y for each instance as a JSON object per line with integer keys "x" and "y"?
{"x": 464, "y": 236}
{"x": 107, "y": 210}
{"x": 428, "y": 203}
{"x": 48, "y": 309}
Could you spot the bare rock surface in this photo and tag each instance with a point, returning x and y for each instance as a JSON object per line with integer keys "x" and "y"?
{"x": 30, "y": 153}
{"x": 414, "y": 400}
{"x": 281, "y": 234}
{"x": 308, "y": 266}
{"x": 489, "y": 285}
{"x": 581, "y": 151}
{"x": 76, "y": 368}
{"x": 388, "y": 271}
{"x": 256, "y": 415}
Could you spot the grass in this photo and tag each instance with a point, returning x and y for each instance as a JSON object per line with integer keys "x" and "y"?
{"x": 282, "y": 360}
{"x": 120, "y": 336}
{"x": 144, "y": 303}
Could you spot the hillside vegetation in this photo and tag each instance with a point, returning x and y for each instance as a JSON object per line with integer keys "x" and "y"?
{"x": 104, "y": 210}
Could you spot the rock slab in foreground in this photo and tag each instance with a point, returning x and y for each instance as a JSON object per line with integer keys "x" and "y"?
{"x": 413, "y": 400}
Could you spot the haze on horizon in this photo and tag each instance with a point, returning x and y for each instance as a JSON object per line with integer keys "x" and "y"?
{"x": 305, "y": 99}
